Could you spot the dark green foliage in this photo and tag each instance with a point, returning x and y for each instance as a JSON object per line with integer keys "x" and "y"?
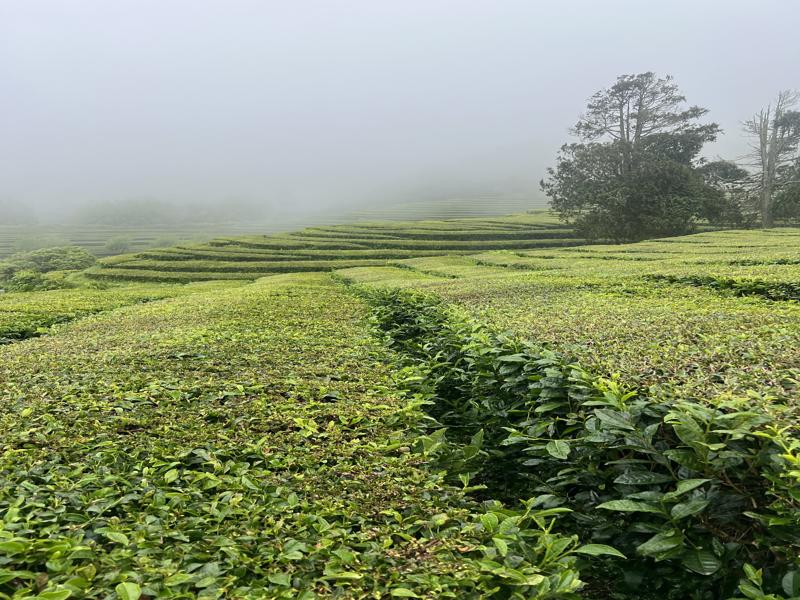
{"x": 787, "y": 199}
{"x": 65, "y": 258}
{"x": 771, "y": 290}
{"x": 243, "y": 444}
{"x": 657, "y": 198}
{"x": 29, "y": 281}
{"x": 690, "y": 493}
{"x": 733, "y": 205}
{"x": 632, "y": 176}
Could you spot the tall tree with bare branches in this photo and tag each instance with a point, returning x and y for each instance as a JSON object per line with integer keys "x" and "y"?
{"x": 775, "y": 134}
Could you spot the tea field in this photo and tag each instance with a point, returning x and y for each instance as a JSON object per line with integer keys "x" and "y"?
{"x": 104, "y": 240}
{"x": 109, "y": 240}
{"x": 327, "y": 248}
{"x": 470, "y": 408}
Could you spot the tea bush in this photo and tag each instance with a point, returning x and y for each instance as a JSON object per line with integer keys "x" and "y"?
{"x": 691, "y": 493}
{"x": 334, "y": 247}
{"x": 45, "y": 260}
{"x": 243, "y": 443}
{"x": 30, "y": 314}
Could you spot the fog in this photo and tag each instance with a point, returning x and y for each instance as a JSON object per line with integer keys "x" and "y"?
{"x": 308, "y": 105}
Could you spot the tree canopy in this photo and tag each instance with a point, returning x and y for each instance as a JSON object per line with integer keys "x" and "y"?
{"x": 633, "y": 173}
{"x": 775, "y": 138}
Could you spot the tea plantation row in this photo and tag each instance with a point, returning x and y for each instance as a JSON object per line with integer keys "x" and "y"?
{"x": 609, "y": 422}
{"x": 327, "y": 248}
{"x": 241, "y": 443}
{"x": 633, "y": 385}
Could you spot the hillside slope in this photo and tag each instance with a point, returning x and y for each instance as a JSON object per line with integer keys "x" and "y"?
{"x": 326, "y": 248}
{"x": 503, "y": 424}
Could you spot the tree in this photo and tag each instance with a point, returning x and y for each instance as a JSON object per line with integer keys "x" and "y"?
{"x": 787, "y": 199}
{"x": 775, "y": 133}
{"x": 643, "y": 112}
{"x": 632, "y": 174}
{"x": 46, "y": 260}
{"x": 734, "y": 204}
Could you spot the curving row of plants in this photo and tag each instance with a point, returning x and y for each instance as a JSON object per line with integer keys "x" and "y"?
{"x": 702, "y": 499}
{"x": 771, "y": 290}
{"x": 25, "y": 315}
{"x": 246, "y": 443}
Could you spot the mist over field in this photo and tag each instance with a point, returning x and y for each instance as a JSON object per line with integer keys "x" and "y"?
{"x": 295, "y": 108}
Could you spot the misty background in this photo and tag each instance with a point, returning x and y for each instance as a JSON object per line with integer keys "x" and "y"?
{"x": 259, "y": 109}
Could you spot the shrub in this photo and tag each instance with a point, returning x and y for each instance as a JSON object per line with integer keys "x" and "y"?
{"x": 45, "y": 260}
{"x": 690, "y": 493}
{"x": 117, "y": 245}
{"x": 29, "y": 281}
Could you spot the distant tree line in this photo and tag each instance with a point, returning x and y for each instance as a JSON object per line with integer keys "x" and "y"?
{"x": 635, "y": 171}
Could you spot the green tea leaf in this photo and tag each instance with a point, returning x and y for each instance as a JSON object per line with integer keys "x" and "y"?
{"x": 685, "y": 509}
{"x": 642, "y": 478}
{"x": 791, "y": 583}
{"x": 703, "y": 562}
{"x": 630, "y": 506}
{"x": 558, "y": 449}
{"x": 660, "y": 543}
{"x": 489, "y": 521}
{"x": 116, "y": 536}
{"x": 599, "y": 550}
{"x": 178, "y": 579}
{"x": 613, "y": 418}
{"x": 401, "y": 592}
{"x": 501, "y": 545}
{"x": 686, "y": 485}
{"x": 12, "y": 547}
{"x": 54, "y": 595}
{"x": 280, "y": 579}
{"x": 128, "y": 590}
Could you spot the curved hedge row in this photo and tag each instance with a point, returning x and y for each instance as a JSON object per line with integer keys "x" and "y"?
{"x": 338, "y": 247}
{"x": 242, "y": 445}
{"x": 772, "y": 290}
{"x": 692, "y": 494}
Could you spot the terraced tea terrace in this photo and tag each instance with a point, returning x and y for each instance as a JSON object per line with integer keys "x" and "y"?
{"x": 475, "y": 408}
{"x": 336, "y": 247}
{"x": 100, "y": 239}
{"x": 680, "y": 313}
{"x": 31, "y": 314}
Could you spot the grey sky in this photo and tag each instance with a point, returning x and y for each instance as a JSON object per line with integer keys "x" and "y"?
{"x": 301, "y": 103}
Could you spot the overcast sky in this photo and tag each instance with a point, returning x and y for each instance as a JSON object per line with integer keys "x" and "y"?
{"x": 302, "y": 103}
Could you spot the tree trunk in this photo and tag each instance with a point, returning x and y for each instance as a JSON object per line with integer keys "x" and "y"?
{"x": 623, "y": 140}
{"x": 766, "y": 208}
{"x": 767, "y": 143}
